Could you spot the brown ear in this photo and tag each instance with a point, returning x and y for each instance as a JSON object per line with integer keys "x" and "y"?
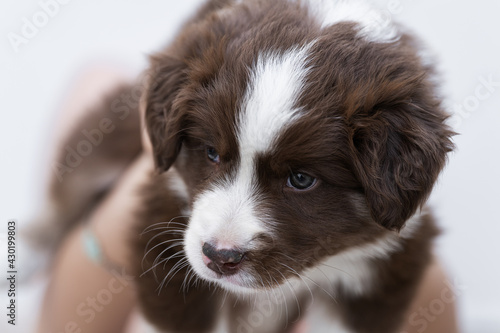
{"x": 163, "y": 122}
{"x": 399, "y": 151}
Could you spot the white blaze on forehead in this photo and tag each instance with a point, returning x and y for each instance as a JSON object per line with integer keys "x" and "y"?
{"x": 268, "y": 107}
{"x": 374, "y": 25}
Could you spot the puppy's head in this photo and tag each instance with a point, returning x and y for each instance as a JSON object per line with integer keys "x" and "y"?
{"x": 289, "y": 137}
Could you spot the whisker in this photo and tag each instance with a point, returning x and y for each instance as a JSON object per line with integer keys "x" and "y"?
{"x": 157, "y": 235}
{"x": 173, "y": 271}
{"x": 178, "y": 269}
{"x": 149, "y": 227}
{"x": 292, "y": 291}
{"x": 338, "y": 269}
{"x": 314, "y": 282}
{"x": 332, "y": 267}
{"x": 165, "y": 250}
{"x": 283, "y": 302}
{"x": 172, "y": 230}
{"x": 185, "y": 286}
{"x": 193, "y": 275}
{"x": 162, "y": 243}
{"x": 175, "y": 255}
{"x": 266, "y": 288}
{"x": 273, "y": 290}
{"x": 223, "y": 300}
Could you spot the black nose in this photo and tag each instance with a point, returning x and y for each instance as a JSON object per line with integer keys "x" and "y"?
{"x": 225, "y": 261}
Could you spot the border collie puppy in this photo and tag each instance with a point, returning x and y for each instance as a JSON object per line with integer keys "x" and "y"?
{"x": 295, "y": 142}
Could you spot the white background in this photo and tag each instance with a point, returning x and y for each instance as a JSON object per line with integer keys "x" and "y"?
{"x": 464, "y": 36}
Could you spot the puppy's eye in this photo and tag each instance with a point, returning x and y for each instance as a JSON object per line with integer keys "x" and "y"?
{"x": 213, "y": 155}
{"x": 301, "y": 181}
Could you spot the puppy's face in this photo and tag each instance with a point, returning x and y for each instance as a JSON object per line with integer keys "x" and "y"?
{"x": 294, "y": 149}
{"x": 268, "y": 177}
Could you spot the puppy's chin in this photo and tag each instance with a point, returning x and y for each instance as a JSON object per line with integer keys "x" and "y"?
{"x": 240, "y": 283}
